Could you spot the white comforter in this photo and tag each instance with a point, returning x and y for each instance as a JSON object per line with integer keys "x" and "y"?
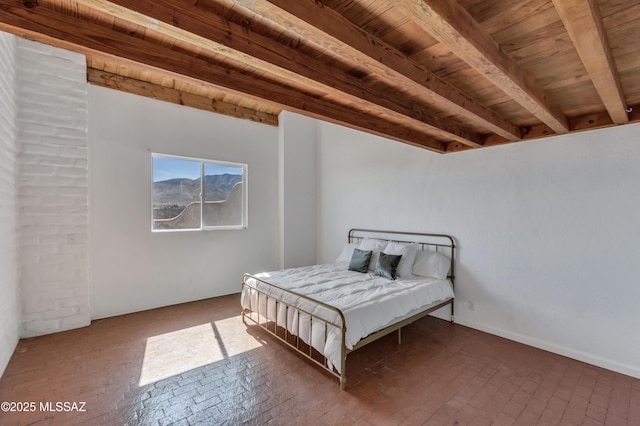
{"x": 368, "y": 303}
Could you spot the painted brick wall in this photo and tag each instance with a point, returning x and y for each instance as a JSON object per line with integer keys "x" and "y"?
{"x": 9, "y": 293}
{"x": 52, "y": 126}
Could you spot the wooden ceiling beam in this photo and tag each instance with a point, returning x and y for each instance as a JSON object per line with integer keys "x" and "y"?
{"x": 585, "y": 122}
{"x": 583, "y": 22}
{"x": 46, "y": 25}
{"x": 321, "y": 26}
{"x": 154, "y": 91}
{"x": 205, "y": 29}
{"x": 121, "y": 66}
{"x": 453, "y": 26}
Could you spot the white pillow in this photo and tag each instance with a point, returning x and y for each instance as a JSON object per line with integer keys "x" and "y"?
{"x": 347, "y": 253}
{"x": 431, "y": 264}
{"x": 375, "y": 246}
{"x": 408, "y": 252}
{"x": 371, "y": 244}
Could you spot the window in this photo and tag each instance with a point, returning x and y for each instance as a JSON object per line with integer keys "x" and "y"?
{"x": 180, "y": 185}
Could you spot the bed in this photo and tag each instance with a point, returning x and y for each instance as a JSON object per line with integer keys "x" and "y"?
{"x": 380, "y": 282}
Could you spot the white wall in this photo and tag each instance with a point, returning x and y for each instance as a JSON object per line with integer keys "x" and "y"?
{"x": 546, "y": 230}
{"x": 134, "y": 269}
{"x": 298, "y": 189}
{"x": 52, "y": 188}
{"x": 9, "y": 291}
{"x": 43, "y": 188}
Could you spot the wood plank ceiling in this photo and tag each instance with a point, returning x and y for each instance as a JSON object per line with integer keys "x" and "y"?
{"x": 445, "y": 75}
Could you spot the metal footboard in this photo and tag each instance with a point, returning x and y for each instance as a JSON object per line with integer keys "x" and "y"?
{"x": 282, "y": 332}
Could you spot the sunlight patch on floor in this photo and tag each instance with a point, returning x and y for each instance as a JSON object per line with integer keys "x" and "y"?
{"x": 233, "y": 334}
{"x": 174, "y": 353}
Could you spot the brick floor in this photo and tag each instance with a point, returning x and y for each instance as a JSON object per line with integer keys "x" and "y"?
{"x": 197, "y": 363}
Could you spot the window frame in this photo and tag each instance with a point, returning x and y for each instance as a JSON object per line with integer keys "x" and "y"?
{"x": 203, "y": 161}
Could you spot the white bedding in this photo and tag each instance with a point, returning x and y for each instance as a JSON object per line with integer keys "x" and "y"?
{"x": 369, "y": 303}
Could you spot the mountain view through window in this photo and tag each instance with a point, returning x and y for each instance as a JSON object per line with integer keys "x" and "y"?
{"x": 180, "y": 185}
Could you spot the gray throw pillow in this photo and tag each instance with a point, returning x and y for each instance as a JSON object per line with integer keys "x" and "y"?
{"x": 360, "y": 260}
{"x": 387, "y": 265}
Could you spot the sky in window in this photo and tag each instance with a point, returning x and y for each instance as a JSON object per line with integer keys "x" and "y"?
{"x": 165, "y": 168}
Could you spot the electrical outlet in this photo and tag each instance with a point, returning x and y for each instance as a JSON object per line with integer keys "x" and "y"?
{"x": 471, "y": 306}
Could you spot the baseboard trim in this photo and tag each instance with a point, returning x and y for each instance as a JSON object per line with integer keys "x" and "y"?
{"x": 556, "y": 349}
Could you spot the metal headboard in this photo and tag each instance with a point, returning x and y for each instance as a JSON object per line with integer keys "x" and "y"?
{"x": 438, "y": 242}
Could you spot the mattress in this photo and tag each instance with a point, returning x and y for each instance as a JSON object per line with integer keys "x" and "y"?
{"x": 368, "y": 303}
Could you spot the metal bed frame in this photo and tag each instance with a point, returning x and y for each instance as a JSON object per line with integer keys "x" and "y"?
{"x": 427, "y": 241}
